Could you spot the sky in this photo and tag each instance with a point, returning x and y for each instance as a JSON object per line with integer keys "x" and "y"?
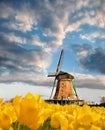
{"x": 32, "y": 34}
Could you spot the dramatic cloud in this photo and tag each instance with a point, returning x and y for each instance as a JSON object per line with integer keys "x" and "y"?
{"x": 31, "y": 31}
{"x": 89, "y": 58}
{"x": 54, "y": 18}
{"x": 19, "y": 64}
{"x": 95, "y": 60}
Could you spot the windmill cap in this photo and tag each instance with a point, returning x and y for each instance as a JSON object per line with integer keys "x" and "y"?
{"x": 64, "y": 75}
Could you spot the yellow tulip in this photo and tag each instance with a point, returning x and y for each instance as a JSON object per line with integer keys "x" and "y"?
{"x": 58, "y": 120}
{"x": 7, "y": 115}
{"x": 16, "y": 104}
{"x": 1, "y": 101}
{"x": 81, "y": 128}
{"x": 5, "y": 121}
{"x": 33, "y": 111}
{"x": 11, "y": 128}
{"x": 55, "y": 121}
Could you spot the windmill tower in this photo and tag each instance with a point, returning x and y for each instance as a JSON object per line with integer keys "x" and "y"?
{"x": 64, "y": 83}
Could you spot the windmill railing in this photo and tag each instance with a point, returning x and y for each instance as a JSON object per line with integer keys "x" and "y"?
{"x": 65, "y": 101}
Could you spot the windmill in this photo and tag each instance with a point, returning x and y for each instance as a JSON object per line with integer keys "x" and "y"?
{"x": 64, "y": 83}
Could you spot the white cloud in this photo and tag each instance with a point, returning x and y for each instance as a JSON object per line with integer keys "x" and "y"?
{"x": 34, "y": 39}
{"x": 91, "y": 17}
{"x": 11, "y": 37}
{"x": 82, "y": 54}
{"x": 19, "y": 25}
{"x": 42, "y": 60}
{"x": 87, "y": 37}
{"x": 92, "y": 36}
{"x": 81, "y": 3}
{"x": 23, "y": 21}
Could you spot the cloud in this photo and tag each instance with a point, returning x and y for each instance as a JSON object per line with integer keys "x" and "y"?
{"x": 88, "y": 12}
{"x": 19, "y": 64}
{"x": 82, "y": 51}
{"x": 54, "y": 18}
{"x": 95, "y": 61}
{"x": 29, "y": 22}
{"x": 89, "y": 81}
{"x": 90, "y": 58}
{"x": 51, "y": 16}
{"x": 12, "y": 37}
{"x": 93, "y": 36}
{"x": 5, "y": 10}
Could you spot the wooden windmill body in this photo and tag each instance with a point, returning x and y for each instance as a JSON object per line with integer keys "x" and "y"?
{"x": 64, "y": 84}
{"x": 65, "y": 88}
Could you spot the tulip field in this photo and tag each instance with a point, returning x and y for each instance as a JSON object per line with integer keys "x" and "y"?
{"x": 31, "y": 112}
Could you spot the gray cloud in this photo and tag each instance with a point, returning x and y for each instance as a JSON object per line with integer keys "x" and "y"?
{"x": 92, "y": 59}
{"x": 95, "y": 60}
{"x": 19, "y": 64}
{"x": 89, "y": 81}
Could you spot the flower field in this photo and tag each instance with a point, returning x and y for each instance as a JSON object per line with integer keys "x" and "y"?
{"x": 33, "y": 113}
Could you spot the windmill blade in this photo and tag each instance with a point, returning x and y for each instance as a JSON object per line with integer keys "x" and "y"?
{"x": 73, "y": 82}
{"x": 59, "y": 62}
{"x": 51, "y": 74}
{"x": 57, "y": 71}
{"x": 53, "y": 87}
{"x": 58, "y": 66}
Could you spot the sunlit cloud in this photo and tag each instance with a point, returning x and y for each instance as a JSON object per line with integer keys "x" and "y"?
{"x": 32, "y": 31}
{"x": 93, "y": 36}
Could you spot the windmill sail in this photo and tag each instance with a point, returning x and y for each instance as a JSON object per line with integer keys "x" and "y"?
{"x": 59, "y": 62}
{"x": 58, "y": 66}
{"x": 57, "y": 71}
